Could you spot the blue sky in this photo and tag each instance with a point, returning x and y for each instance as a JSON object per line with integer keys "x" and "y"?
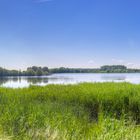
{"x": 69, "y": 33}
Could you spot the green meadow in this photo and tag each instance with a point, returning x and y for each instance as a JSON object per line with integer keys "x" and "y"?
{"x": 87, "y": 111}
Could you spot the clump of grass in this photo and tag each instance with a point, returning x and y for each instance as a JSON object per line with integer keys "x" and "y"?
{"x": 108, "y": 111}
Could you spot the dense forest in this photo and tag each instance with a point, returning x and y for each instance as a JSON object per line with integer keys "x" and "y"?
{"x": 39, "y": 71}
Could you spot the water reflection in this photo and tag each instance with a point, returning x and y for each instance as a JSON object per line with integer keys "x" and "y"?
{"x": 22, "y": 81}
{"x": 114, "y": 77}
{"x": 31, "y": 80}
{"x": 3, "y": 80}
{"x": 16, "y": 82}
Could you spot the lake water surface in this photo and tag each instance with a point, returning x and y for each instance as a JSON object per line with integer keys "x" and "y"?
{"x": 73, "y": 78}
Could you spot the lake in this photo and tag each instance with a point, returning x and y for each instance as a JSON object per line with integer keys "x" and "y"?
{"x": 15, "y": 82}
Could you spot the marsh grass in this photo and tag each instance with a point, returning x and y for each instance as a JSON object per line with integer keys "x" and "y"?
{"x": 100, "y": 111}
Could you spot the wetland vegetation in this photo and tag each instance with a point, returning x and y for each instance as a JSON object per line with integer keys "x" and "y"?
{"x": 86, "y": 111}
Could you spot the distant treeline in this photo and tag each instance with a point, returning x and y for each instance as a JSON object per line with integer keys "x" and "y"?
{"x": 31, "y": 71}
{"x": 103, "y": 69}
{"x": 39, "y": 71}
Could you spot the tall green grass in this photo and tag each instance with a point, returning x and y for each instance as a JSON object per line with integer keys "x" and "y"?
{"x": 99, "y": 111}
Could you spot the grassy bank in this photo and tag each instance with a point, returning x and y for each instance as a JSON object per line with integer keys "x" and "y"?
{"x": 100, "y": 111}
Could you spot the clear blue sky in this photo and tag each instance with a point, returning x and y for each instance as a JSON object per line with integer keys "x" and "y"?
{"x": 70, "y": 33}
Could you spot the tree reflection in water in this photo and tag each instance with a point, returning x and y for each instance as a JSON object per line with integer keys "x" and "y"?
{"x": 30, "y": 80}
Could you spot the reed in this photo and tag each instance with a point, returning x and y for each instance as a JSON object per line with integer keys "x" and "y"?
{"x": 107, "y": 111}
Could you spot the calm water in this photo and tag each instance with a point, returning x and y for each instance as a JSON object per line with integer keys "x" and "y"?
{"x": 16, "y": 82}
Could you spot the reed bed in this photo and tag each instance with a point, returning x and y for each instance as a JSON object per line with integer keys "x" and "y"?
{"x": 86, "y": 111}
